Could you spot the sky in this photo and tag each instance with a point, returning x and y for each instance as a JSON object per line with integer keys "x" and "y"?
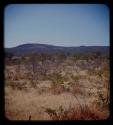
{"x": 56, "y": 24}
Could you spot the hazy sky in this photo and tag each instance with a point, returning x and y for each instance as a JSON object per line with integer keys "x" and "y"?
{"x": 56, "y": 24}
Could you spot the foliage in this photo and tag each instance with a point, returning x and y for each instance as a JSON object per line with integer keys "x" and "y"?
{"x": 75, "y": 113}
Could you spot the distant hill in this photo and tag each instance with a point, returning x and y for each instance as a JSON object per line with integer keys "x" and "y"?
{"x": 51, "y": 49}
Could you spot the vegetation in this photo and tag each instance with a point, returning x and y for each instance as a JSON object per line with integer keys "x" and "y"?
{"x": 84, "y": 78}
{"x": 72, "y": 113}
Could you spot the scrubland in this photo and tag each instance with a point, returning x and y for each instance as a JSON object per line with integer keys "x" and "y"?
{"x": 57, "y": 87}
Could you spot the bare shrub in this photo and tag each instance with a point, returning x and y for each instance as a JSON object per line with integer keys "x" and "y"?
{"x": 73, "y": 113}
{"x": 103, "y": 99}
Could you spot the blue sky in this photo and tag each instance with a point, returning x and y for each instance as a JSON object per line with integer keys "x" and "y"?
{"x": 56, "y": 24}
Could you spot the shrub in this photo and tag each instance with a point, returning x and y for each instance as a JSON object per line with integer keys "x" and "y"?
{"x": 103, "y": 99}
{"x": 73, "y": 113}
{"x": 58, "y": 114}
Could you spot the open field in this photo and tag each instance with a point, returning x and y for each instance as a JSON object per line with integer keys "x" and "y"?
{"x": 59, "y": 87}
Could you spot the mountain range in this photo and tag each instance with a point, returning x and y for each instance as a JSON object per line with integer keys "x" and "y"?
{"x": 51, "y": 49}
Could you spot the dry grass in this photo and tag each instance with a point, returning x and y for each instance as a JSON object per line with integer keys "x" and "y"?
{"x": 86, "y": 113}
{"x": 19, "y": 104}
{"x": 82, "y": 84}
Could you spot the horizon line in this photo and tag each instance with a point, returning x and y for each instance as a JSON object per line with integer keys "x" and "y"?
{"x": 55, "y": 45}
